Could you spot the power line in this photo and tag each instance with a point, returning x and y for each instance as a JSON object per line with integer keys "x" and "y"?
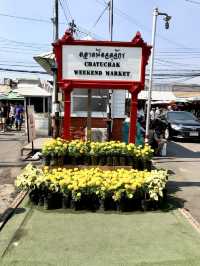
{"x": 64, "y": 11}
{"x": 68, "y": 8}
{"x": 142, "y": 26}
{"x": 23, "y": 71}
{"x": 100, "y": 16}
{"x": 82, "y": 29}
{"x": 17, "y": 65}
{"x": 25, "y": 18}
{"x": 193, "y": 2}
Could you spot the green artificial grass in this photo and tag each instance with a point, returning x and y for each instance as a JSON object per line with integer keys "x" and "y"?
{"x": 62, "y": 238}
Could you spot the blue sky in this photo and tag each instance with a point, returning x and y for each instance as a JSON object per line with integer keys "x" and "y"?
{"x": 177, "y": 49}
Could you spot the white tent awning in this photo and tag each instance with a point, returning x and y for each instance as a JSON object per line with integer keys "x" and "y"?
{"x": 46, "y": 61}
{"x": 157, "y": 96}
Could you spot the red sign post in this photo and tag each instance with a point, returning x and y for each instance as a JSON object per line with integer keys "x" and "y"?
{"x": 92, "y": 64}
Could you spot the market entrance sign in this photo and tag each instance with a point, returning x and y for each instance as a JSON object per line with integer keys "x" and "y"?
{"x": 101, "y": 64}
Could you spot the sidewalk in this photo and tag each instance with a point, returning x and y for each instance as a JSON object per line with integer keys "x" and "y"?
{"x": 37, "y": 237}
{"x": 37, "y": 145}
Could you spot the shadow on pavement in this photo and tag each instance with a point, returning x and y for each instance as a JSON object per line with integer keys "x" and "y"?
{"x": 172, "y": 201}
{"x": 176, "y": 150}
{"x": 5, "y": 216}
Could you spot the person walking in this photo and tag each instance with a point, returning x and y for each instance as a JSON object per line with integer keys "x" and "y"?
{"x": 4, "y": 113}
{"x": 18, "y": 117}
{"x": 1, "y": 116}
{"x": 12, "y": 115}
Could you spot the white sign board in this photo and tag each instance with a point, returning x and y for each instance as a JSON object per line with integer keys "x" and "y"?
{"x": 101, "y": 63}
{"x": 31, "y": 123}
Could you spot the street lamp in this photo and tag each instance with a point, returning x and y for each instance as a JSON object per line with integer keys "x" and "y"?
{"x": 166, "y": 18}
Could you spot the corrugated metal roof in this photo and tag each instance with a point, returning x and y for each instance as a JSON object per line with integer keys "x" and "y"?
{"x": 46, "y": 61}
{"x": 31, "y": 90}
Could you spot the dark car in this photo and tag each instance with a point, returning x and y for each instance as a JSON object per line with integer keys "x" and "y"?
{"x": 181, "y": 124}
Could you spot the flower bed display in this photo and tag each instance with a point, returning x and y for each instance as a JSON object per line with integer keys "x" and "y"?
{"x": 92, "y": 189}
{"x": 58, "y": 152}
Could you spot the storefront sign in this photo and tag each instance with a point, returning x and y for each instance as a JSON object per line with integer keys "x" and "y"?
{"x": 31, "y": 123}
{"x": 101, "y": 63}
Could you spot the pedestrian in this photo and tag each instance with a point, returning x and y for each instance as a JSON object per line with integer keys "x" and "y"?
{"x": 157, "y": 112}
{"x": 152, "y": 114}
{"x": 7, "y": 115}
{"x": 18, "y": 117}
{"x": 1, "y": 116}
{"x": 12, "y": 115}
{"x": 139, "y": 132}
{"x": 154, "y": 139}
{"x": 4, "y": 113}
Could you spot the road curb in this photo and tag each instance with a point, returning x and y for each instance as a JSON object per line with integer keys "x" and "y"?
{"x": 10, "y": 210}
{"x": 190, "y": 218}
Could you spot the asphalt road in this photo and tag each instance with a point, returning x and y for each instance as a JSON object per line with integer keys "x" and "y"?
{"x": 183, "y": 163}
{"x": 10, "y": 166}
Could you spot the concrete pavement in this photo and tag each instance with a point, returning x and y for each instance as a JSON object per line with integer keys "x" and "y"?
{"x": 10, "y": 166}
{"x": 183, "y": 161}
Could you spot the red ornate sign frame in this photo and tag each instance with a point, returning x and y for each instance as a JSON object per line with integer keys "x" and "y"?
{"x": 134, "y": 87}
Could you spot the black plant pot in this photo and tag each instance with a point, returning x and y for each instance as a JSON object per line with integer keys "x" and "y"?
{"x": 66, "y": 201}
{"x": 87, "y": 160}
{"x": 115, "y": 160}
{"x": 127, "y": 205}
{"x": 60, "y": 161}
{"x": 54, "y": 160}
{"x": 109, "y": 204}
{"x": 66, "y": 160}
{"x": 74, "y": 160}
{"x": 140, "y": 164}
{"x": 129, "y": 160}
{"x": 78, "y": 205}
{"x": 134, "y": 163}
{"x": 102, "y": 160}
{"x": 109, "y": 161}
{"x": 41, "y": 200}
{"x": 94, "y": 160}
{"x": 47, "y": 160}
{"x": 53, "y": 200}
{"x": 150, "y": 205}
{"x": 148, "y": 165}
{"x": 122, "y": 161}
{"x": 34, "y": 196}
{"x": 92, "y": 202}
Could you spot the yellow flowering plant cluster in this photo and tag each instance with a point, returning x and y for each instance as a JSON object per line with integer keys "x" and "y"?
{"x": 94, "y": 181}
{"x": 55, "y": 147}
{"x": 81, "y": 149}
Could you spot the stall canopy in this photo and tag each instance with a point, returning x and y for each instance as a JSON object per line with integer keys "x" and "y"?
{"x": 11, "y": 96}
{"x": 46, "y": 61}
{"x": 31, "y": 90}
{"x": 162, "y": 96}
{"x": 189, "y": 95}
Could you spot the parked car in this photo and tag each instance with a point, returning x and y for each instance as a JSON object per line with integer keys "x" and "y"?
{"x": 181, "y": 124}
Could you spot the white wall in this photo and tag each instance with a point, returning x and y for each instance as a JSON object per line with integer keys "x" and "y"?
{"x": 118, "y": 103}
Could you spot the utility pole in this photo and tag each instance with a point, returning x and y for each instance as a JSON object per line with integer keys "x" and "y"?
{"x": 155, "y": 15}
{"x": 166, "y": 18}
{"x": 55, "y": 103}
{"x": 109, "y": 116}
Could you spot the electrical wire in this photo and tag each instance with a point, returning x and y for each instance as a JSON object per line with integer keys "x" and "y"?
{"x": 64, "y": 11}
{"x": 193, "y": 2}
{"x": 23, "y": 71}
{"x": 140, "y": 25}
{"x": 68, "y": 8}
{"x": 100, "y": 16}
